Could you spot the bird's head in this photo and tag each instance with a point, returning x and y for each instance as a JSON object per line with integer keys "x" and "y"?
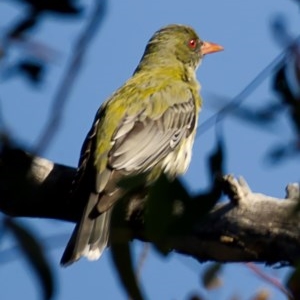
{"x": 177, "y": 43}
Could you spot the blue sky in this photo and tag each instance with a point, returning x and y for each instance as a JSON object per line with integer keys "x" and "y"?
{"x": 243, "y": 28}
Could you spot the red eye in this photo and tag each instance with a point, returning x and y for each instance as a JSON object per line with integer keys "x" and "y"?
{"x": 192, "y": 43}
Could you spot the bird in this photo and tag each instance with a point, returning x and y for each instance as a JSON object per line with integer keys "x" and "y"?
{"x": 146, "y": 127}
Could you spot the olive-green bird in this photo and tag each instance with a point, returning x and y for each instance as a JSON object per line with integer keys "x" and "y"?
{"x": 146, "y": 127}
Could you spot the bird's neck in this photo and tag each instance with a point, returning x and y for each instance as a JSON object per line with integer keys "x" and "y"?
{"x": 157, "y": 60}
{"x": 159, "y": 63}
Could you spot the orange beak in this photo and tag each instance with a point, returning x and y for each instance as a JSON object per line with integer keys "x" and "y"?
{"x": 208, "y": 47}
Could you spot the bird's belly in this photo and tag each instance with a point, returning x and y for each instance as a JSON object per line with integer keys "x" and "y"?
{"x": 177, "y": 162}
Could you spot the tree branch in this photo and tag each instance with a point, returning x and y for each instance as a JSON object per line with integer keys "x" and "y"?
{"x": 248, "y": 227}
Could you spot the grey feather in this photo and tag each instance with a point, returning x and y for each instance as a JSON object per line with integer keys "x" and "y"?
{"x": 149, "y": 141}
{"x": 81, "y": 234}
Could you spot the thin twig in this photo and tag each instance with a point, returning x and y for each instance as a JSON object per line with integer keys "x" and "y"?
{"x": 60, "y": 100}
{"x": 271, "y": 280}
{"x": 141, "y": 261}
{"x": 275, "y": 64}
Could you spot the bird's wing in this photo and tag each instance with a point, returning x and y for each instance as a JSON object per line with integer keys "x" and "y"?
{"x": 142, "y": 142}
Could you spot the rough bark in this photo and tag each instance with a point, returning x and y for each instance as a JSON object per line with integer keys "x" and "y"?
{"x": 247, "y": 227}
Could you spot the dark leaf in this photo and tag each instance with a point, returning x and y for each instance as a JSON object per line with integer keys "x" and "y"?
{"x": 25, "y": 24}
{"x": 210, "y": 277}
{"x": 216, "y": 158}
{"x": 33, "y": 71}
{"x": 159, "y": 212}
{"x": 280, "y": 152}
{"x": 122, "y": 261}
{"x": 34, "y": 255}
{"x": 196, "y": 297}
{"x": 65, "y": 7}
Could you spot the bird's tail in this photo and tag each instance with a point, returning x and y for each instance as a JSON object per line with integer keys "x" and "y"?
{"x": 90, "y": 236}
